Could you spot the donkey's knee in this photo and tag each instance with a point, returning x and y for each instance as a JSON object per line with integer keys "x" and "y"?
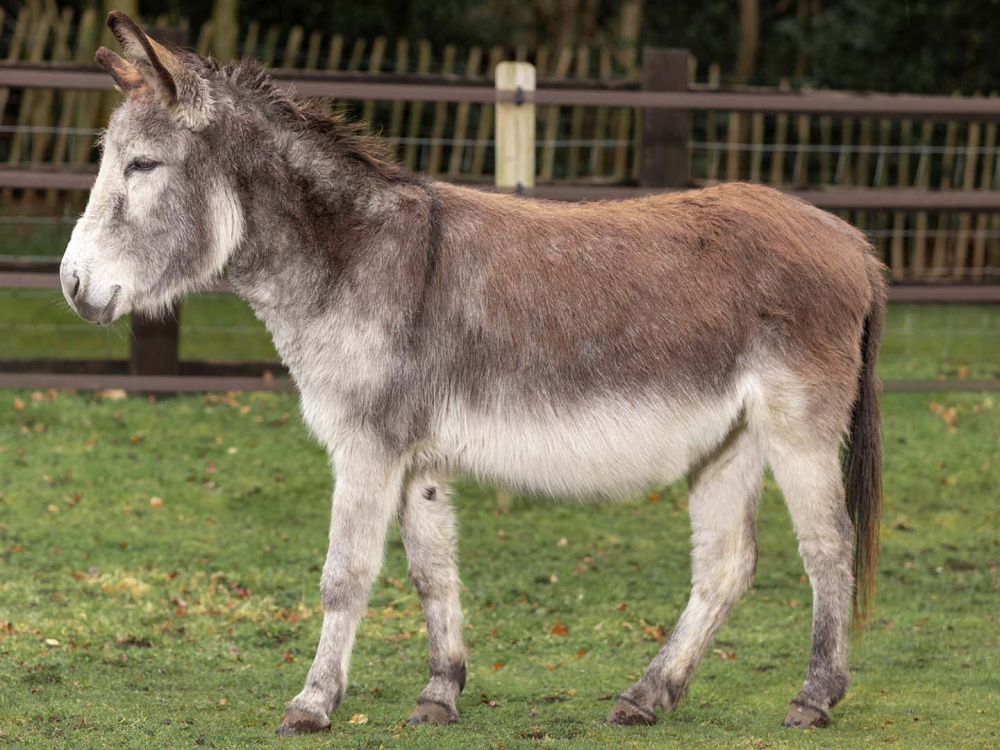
{"x": 723, "y": 569}
{"x": 345, "y": 588}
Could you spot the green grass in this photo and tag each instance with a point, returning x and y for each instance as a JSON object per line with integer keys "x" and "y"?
{"x": 127, "y": 625}
{"x": 38, "y": 323}
{"x": 920, "y": 341}
{"x": 34, "y": 235}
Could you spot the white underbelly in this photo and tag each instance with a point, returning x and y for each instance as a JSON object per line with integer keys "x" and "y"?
{"x": 611, "y": 447}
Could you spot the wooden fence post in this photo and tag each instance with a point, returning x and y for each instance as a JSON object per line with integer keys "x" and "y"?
{"x": 515, "y": 128}
{"x": 155, "y": 345}
{"x": 665, "y": 132}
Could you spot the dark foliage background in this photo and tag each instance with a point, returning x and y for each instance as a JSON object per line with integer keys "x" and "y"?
{"x": 934, "y": 46}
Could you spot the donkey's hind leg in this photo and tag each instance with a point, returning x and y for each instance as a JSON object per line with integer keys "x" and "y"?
{"x": 427, "y": 525}
{"x": 808, "y": 471}
{"x": 723, "y": 507}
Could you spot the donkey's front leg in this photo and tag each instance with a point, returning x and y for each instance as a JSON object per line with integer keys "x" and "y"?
{"x": 427, "y": 524}
{"x": 367, "y": 492}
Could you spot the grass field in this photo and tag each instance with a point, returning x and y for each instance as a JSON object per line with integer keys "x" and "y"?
{"x": 190, "y": 619}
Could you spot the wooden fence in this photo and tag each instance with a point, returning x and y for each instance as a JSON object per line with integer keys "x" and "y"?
{"x": 451, "y": 139}
{"x": 667, "y": 103}
{"x": 578, "y": 143}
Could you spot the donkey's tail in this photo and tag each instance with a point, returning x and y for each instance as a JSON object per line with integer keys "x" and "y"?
{"x": 864, "y": 458}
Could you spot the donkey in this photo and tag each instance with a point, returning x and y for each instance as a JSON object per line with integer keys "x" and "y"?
{"x": 576, "y": 350}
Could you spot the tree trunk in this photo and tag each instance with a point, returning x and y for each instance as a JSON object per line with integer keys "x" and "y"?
{"x": 802, "y": 19}
{"x": 225, "y": 29}
{"x": 746, "y": 55}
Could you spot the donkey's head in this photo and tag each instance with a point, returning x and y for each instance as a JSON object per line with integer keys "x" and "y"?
{"x": 163, "y": 216}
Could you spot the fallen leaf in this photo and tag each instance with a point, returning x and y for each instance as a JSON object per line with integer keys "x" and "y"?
{"x": 155, "y": 502}
{"x": 657, "y": 632}
{"x": 358, "y": 719}
{"x": 559, "y": 629}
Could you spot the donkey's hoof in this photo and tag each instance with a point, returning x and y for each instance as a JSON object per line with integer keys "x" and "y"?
{"x": 804, "y": 716}
{"x": 299, "y": 721}
{"x": 433, "y": 712}
{"x": 628, "y": 713}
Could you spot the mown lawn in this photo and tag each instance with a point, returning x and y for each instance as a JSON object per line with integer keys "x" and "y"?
{"x": 190, "y": 620}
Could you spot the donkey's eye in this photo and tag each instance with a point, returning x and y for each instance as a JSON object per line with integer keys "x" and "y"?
{"x": 141, "y": 164}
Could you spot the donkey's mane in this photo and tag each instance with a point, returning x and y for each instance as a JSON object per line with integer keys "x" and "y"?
{"x": 317, "y": 117}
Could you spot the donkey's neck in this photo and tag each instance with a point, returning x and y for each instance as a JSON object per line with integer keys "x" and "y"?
{"x": 330, "y": 244}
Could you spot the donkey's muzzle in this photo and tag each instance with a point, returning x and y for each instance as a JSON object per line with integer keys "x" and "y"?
{"x": 82, "y": 300}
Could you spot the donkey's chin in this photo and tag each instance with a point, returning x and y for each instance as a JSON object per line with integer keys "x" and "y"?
{"x": 103, "y": 313}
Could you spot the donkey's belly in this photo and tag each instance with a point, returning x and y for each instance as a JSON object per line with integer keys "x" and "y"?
{"x": 607, "y": 447}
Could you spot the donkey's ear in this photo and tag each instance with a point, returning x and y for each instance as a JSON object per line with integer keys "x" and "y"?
{"x": 126, "y": 76}
{"x": 177, "y": 84}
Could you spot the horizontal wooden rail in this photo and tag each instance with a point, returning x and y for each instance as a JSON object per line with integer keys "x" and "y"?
{"x": 45, "y": 276}
{"x": 42, "y": 178}
{"x": 455, "y": 89}
{"x": 143, "y": 383}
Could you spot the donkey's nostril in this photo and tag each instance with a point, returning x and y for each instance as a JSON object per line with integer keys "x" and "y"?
{"x": 76, "y": 286}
